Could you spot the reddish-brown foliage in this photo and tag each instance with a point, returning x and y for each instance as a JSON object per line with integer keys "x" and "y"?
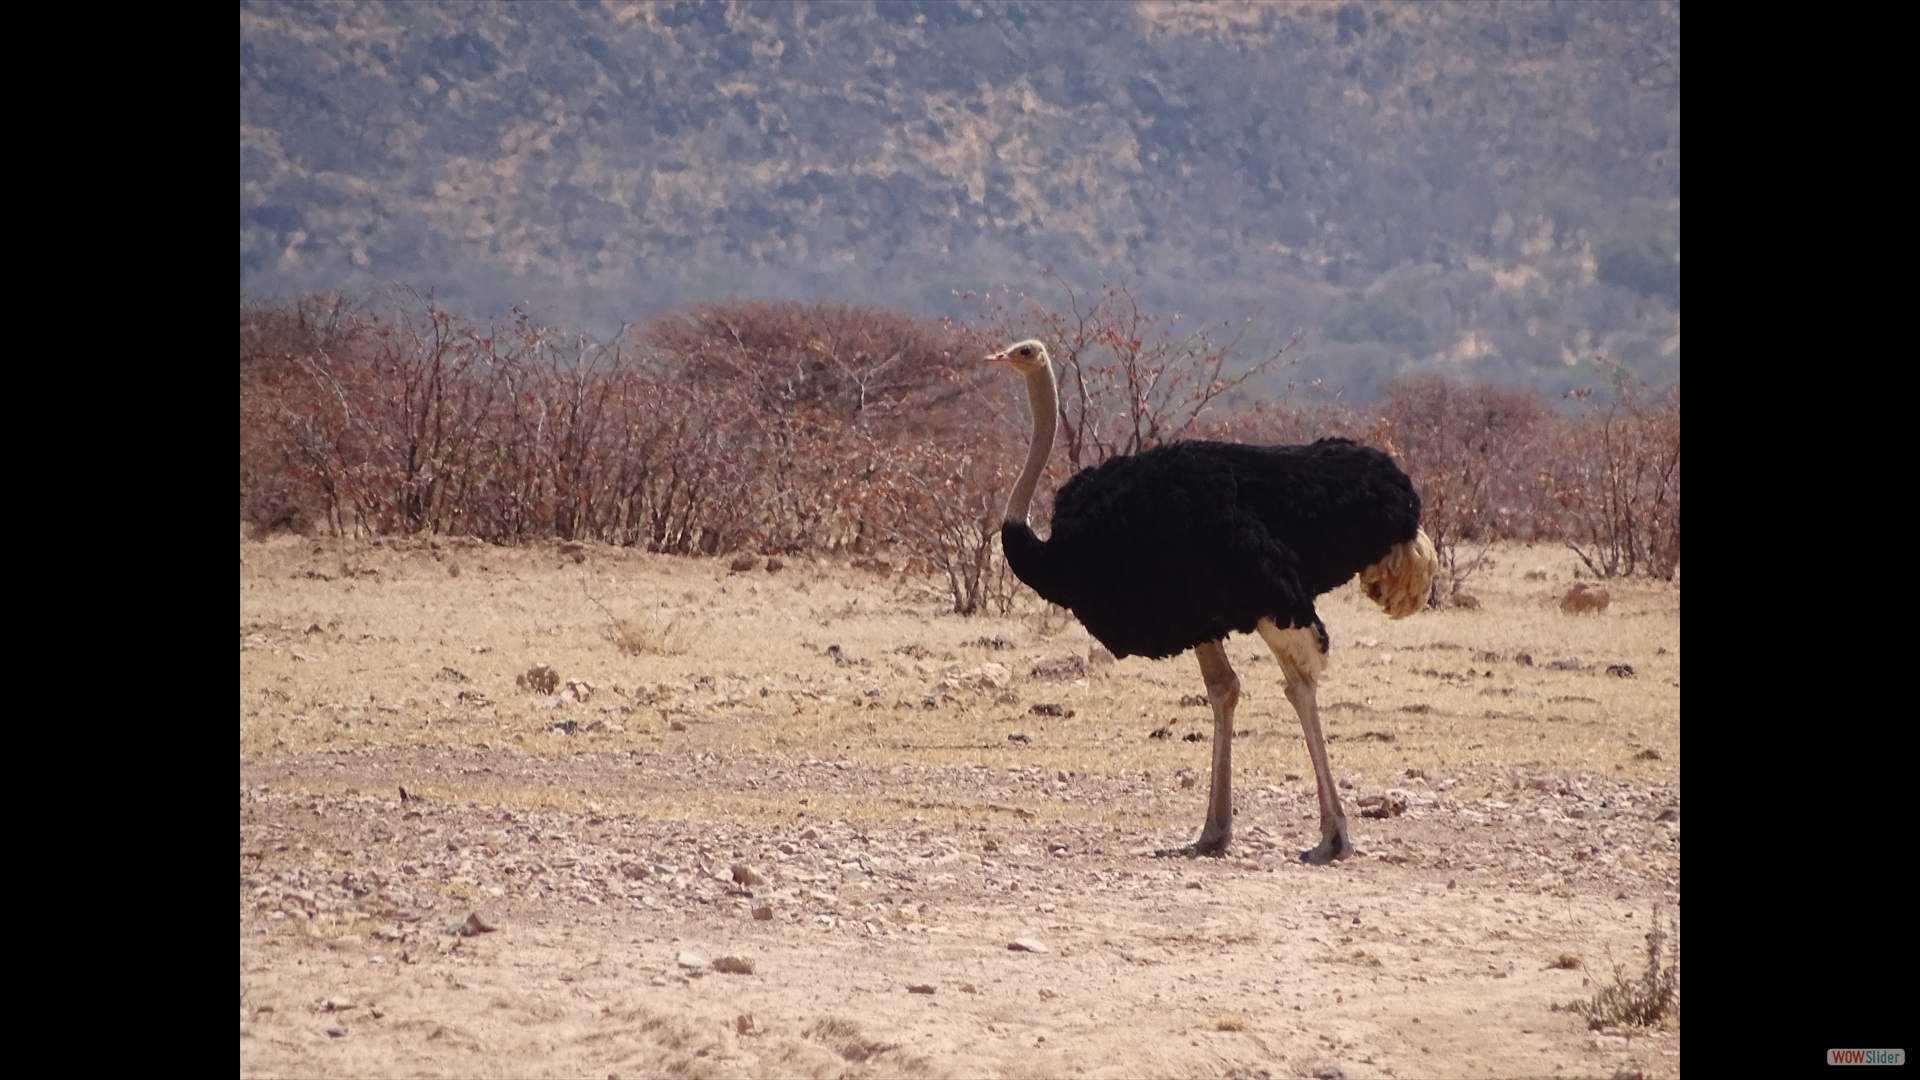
{"x": 778, "y": 428}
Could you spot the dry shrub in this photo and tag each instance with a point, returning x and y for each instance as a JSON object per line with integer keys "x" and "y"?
{"x": 757, "y": 428}
{"x": 1463, "y": 444}
{"x": 1613, "y": 477}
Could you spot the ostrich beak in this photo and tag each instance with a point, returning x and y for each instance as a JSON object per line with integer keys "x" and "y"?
{"x": 999, "y": 358}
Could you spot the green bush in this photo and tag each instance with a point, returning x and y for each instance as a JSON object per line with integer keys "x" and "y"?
{"x": 1640, "y": 263}
{"x": 1379, "y": 318}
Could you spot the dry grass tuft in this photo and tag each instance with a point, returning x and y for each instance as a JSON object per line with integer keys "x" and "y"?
{"x": 1230, "y": 1022}
{"x": 652, "y": 636}
{"x": 1642, "y": 1001}
{"x": 1564, "y": 962}
{"x": 843, "y": 1037}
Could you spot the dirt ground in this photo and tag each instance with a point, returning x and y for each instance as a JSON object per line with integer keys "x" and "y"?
{"x": 802, "y": 822}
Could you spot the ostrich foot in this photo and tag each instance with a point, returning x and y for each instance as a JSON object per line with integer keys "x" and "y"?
{"x": 1198, "y": 849}
{"x": 1211, "y": 846}
{"x": 1333, "y": 846}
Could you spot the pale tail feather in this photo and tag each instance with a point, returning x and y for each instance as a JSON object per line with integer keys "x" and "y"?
{"x": 1400, "y": 582}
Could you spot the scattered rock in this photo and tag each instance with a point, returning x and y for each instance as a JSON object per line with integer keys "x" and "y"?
{"x": 579, "y": 690}
{"x": 1020, "y": 737}
{"x": 474, "y": 698}
{"x": 1195, "y": 699}
{"x": 744, "y": 874}
{"x": 1464, "y": 600}
{"x": 1585, "y": 597}
{"x": 996, "y": 643}
{"x": 1060, "y": 669}
{"x": 677, "y": 725}
{"x": 774, "y": 565}
{"x": 690, "y": 960}
{"x": 1390, "y": 805}
{"x": 1523, "y": 659}
{"x": 1649, "y": 754}
{"x": 763, "y": 913}
{"x": 1164, "y": 731}
{"x": 538, "y": 679}
{"x": 922, "y": 989}
{"x": 447, "y": 674}
{"x": 1620, "y": 671}
{"x": 1194, "y": 736}
{"x": 1048, "y": 709}
{"x": 743, "y": 562}
{"x": 472, "y": 926}
{"x": 1027, "y": 944}
{"x": 564, "y": 727}
{"x": 732, "y": 965}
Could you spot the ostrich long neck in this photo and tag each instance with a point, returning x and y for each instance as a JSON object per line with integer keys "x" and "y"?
{"x": 1044, "y": 401}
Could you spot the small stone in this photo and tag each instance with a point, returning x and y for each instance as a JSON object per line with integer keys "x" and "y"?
{"x": 1027, "y": 944}
{"x": 690, "y": 959}
{"x": 733, "y": 965}
{"x": 744, "y": 874}
{"x": 472, "y": 926}
{"x": 923, "y": 989}
{"x": 763, "y": 913}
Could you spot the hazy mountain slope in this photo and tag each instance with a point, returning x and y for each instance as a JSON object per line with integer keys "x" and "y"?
{"x": 1476, "y": 168}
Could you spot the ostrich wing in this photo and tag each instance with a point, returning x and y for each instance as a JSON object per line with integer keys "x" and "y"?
{"x": 1158, "y": 552}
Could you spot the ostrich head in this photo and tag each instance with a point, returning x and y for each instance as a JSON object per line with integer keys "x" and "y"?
{"x": 1027, "y": 357}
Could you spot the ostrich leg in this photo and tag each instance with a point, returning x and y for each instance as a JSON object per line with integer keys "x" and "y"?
{"x": 1300, "y": 657}
{"x": 1223, "y": 693}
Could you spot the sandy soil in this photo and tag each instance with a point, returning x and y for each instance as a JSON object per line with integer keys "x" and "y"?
{"x": 808, "y": 773}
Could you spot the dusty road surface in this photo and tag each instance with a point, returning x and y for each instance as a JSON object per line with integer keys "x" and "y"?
{"x": 802, "y": 823}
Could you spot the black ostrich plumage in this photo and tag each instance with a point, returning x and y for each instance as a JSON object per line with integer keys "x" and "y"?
{"x": 1163, "y": 550}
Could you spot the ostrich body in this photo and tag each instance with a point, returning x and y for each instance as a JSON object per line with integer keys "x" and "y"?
{"x": 1174, "y": 548}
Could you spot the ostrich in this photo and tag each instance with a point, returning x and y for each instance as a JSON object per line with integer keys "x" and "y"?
{"x": 1171, "y": 549}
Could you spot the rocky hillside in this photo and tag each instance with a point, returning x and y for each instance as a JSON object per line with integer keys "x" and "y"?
{"x": 1492, "y": 189}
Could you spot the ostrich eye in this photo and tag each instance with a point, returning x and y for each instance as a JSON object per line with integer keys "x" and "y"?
{"x": 1026, "y": 351}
